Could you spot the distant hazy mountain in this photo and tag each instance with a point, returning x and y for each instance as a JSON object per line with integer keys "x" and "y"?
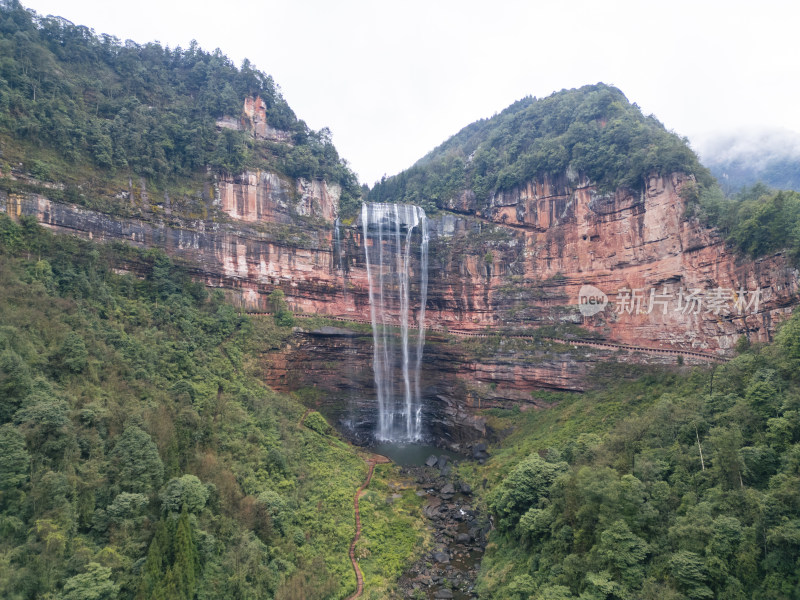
{"x": 744, "y": 158}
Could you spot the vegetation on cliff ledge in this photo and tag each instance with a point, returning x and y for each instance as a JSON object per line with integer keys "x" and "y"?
{"x": 756, "y": 221}
{"x": 593, "y": 131}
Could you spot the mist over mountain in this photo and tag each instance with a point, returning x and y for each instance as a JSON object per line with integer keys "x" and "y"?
{"x": 744, "y": 158}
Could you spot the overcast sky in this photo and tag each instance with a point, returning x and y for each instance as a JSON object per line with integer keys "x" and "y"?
{"x": 392, "y": 80}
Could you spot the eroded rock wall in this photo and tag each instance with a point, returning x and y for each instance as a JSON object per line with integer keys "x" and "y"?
{"x": 517, "y": 265}
{"x": 562, "y": 235}
{"x": 266, "y": 197}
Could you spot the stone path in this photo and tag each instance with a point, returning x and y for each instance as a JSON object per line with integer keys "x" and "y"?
{"x": 371, "y": 460}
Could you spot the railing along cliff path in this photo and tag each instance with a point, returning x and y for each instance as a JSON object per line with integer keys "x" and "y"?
{"x": 587, "y": 343}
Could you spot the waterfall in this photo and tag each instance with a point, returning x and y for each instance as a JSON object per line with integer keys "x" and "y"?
{"x": 337, "y": 245}
{"x": 389, "y": 233}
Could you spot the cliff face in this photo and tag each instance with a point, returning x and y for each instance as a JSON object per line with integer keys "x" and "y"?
{"x": 669, "y": 281}
{"x": 265, "y": 197}
{"x": 332, "y": 368}
{"x": 521, "y": 263}
{"x": 254, "y": 120}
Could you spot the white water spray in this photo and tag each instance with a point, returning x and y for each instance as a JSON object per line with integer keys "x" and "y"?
{"x": 389, "y": 232}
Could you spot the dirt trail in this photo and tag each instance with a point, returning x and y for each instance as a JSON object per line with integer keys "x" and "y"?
{"x": 372, "y": 460}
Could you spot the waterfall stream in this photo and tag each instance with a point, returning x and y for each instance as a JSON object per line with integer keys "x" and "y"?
{"x": 390, "y": 232}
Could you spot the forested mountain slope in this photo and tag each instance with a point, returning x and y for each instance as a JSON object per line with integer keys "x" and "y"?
{"x": 88, "y": 112}
{"x": 140, "y": 454}
{"x": 593, "y": 131}
{"x": 682, "y": 484}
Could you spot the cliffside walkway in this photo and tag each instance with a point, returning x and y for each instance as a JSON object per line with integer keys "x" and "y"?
{"x": 587, "y": 343}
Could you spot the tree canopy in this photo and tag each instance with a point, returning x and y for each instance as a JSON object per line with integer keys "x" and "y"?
{"x": 593, "y": 131}
{"x": 141, "y": 109}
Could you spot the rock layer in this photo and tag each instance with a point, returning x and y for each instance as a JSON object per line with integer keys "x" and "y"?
{"x": 516, "y": 265}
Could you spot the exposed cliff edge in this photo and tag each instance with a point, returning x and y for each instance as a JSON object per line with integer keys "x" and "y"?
{"x": 519, "y": 264}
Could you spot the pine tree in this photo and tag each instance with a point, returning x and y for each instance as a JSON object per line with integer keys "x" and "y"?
{"x": 158, "y": 557}
{"x": 186, "y": 568}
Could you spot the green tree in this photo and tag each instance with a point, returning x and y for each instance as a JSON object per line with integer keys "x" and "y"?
{"x": 15, "y": 383}
{"x": 47, "y": 429}
{"x": 182, "y": 492}
{"x": 172, "y": 568}
{"x": 127, "y": 510}
{"x": 136, "y": 463}
{"x": 622, "y": 553}
{"x": 161, "y": 274}
{"x": 553, "y": 592}
{"x": 159, "y": 556}
{"x": 14, "y": 464}
{"x": 94, "y": 584}
{"x": 43, "y": 273}
{"x": 689, "y": 570}
{"x": 788, "y": 340}
{"x": 280, "y": 309}
{"x": 185, "y": 571}
{"x": 72, "y": 355}
{"x": 522, "y": 488}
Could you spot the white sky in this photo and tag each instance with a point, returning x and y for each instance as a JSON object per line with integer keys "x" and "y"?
{"x": 392, "y": 80}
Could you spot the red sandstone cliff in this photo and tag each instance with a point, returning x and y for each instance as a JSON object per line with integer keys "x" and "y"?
{"x": 519, "y": 264}
{"x": 566, "y": 235}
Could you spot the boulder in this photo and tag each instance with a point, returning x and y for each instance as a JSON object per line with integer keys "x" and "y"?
{"x": 479, "y": 452}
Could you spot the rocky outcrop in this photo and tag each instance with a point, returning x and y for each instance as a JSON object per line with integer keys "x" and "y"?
{"x": 266, "y": 197}
{"x": 254, "y": 121}
{"x": 460, "y": 530}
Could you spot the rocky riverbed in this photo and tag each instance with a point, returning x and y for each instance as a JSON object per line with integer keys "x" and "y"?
{"x": 450, "y": 568}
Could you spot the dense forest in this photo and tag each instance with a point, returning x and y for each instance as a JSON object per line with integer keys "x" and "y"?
{"x": 140, "y": 454}
{"x": 755, "y": 221}
{"x": 77, "y": 107}
{"x": 673, "y": 485}
{"x": 592, "y": 130}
